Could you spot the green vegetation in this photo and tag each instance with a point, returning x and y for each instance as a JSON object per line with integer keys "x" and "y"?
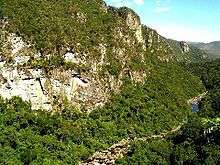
{"x": 209, "y": 72}
{"x": 190, "y": 146}
{"x": 195, "y": 55}
{"x": 153, "y": 152}
{"x": 140, "y": 110}
{"x": 66, "y": 138}
{"x": 81, "y": 25}
{"x": 198, "y": 141}
{"x": 50, "y": 25}
{"x": 212, "y": 48}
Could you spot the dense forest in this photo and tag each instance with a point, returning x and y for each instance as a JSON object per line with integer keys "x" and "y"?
{"x": 157, "y": 105}
{"x": 38, "y": 137}
{"x": 198, "y": 142}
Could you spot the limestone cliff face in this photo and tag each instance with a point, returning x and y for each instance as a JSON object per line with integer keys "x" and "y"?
{"x": 86, "y": 84}
{"x": 74, "y": 73}
{"x": 134, "y": 23}
{"x": 157, "y": 44}
{"x": 185, "y": 47}
{"x": 49, "y": 89}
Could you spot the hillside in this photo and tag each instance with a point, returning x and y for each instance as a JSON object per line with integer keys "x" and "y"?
{"x": 78, "y": 76}
{"x": 197, "y": 142}
{"x": 80, "y": 52}
{"x": 186, "y": 52}
{"x": 212, "y": 48}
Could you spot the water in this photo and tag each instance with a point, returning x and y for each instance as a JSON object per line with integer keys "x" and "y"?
{"x": 195, "y": 107}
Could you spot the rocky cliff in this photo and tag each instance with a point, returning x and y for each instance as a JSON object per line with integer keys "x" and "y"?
{"x": 94, "y": 74}
{"x": 80, "y": 58}
{"x": 212, "y": 48}
{"x": 185, "y": 52}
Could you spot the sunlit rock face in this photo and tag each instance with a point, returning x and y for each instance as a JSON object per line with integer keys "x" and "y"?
{"x": 17, "y": 44}
{"x": 82, "y": 71}
{"x": 185, "y": 47}
{"x": 24, "y": 83}
{"x": 157, "y": 44}
{"x": 85, "y": 89}
{"x": 134, "y": 23}
{"x": 86, "y": 76}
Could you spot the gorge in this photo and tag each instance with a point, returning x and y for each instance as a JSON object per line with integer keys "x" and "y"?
{"x": 82, "y": 81}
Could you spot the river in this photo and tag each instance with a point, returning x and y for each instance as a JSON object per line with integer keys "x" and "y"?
{"x": 195, "y": 107}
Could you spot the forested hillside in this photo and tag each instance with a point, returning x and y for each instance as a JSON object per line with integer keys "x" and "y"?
{"x": 209, "y": 72}
{"x": 138, "y": 111}
{"x": 193, "y": 55}
{"x": 198, "y": 141}
{"x": 89, "y": 75}
{"x": 212, "y": 48}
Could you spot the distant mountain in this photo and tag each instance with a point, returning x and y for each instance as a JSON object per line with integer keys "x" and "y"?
{"x": 172, "y": 50}
{"x": 186, "y": 52}
{"x": 212, "y": 48}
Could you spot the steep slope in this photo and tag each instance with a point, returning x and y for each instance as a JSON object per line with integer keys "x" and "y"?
{"x": 104, "y": 75}
{"x": 172, "y": 50}
{"x": 212, "y": 48}
{"x": 75, "y": 51}
{"x": 120, "y": 149}
{"x": 186, "y": 52}
{"x": 198, "y": 139}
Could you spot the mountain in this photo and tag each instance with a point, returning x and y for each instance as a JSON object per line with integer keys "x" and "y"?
{"x": 78, "y": 76}
{"x": 212, "y": 48}
{"x": 173, "y": 50}
{"x": 66, "y": 53}
{"x": 186, "y": 52}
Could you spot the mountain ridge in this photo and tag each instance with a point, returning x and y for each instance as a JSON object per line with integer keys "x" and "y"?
{"x": 77, "y": 77}
{"x": 80, "y": 51}
{"x": 212, "y": 48}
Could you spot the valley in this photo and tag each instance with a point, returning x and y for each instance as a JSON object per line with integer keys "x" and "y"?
{"x": 82, "y": 82}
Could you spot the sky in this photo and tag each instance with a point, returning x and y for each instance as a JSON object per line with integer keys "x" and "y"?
{"x": 183, "y": 20}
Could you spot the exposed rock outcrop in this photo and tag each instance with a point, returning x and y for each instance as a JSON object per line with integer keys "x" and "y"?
{"x": 185, "y": 47}
{"x": 157, "y": 44}
{"x": 82, "y": 66}
{"x": 197, "y": 98}
{"x": 48, "y": 88}
{"x": 121, "y": 148}
{"x": 133, "y": 22}
{"x": 110, "y": 155}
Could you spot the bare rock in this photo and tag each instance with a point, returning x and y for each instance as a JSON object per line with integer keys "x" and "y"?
{"x": 185, "y": 47}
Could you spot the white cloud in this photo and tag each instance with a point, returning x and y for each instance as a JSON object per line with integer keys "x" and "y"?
{"x": 138, "y": 2}
{"x": 117, "y": 3}
{"x": 162, "y": 6}
{"x": 162, "y": 9}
